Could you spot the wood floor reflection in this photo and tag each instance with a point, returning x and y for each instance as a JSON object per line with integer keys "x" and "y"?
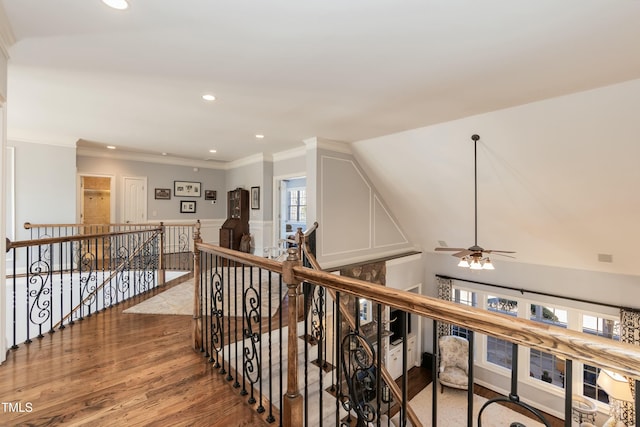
{"x": 116, "y": 369}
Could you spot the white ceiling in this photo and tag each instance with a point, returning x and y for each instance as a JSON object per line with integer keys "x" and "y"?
{"x": 352, "y": 71}
{"x": 343, "y": 70}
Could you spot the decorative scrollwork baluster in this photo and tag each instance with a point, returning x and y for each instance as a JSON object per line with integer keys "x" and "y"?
{"x": 217, "y": 321}
{"x": 39, "y": 291}
{"x": 358, "y": 357}
{"x": 251, "y": 360}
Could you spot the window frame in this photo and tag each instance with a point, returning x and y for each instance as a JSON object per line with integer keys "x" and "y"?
{"x": 524, "y": 302}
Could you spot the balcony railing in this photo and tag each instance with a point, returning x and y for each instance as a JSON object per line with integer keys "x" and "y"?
{"x": 289, "y": 337}
{"x": 67, "y": 272}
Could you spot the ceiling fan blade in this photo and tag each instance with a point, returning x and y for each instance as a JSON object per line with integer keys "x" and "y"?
{"x": 463, "y": 253}
{"x": 504, "y": 255}
{"x": 451, "y": 249}
{"x": 503, "y": 252}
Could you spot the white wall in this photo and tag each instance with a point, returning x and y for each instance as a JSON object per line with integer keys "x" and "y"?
{"x": 163, "y": 176}
{"x": 3, "y": 144}
{"x": 551, "y": 187}
{"x": 45, "y": 185}
{"x": 355, "y": 223}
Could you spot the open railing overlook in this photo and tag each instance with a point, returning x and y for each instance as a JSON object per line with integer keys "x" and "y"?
{"x": 286, "y": 334}
{"x": 331, "y": 319}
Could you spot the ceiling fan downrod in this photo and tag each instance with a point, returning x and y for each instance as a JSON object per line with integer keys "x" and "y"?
{"x": 475, "y": 138}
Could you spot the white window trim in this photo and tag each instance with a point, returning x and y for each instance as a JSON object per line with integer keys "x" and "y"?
{"x": 574, "y": 322}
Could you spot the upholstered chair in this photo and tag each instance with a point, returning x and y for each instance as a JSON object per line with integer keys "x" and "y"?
{"x": 454, "y": 362}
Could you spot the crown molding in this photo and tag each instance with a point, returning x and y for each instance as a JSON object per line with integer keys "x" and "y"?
{"x": 67, "y": 143}
{"x": 255, "y": 158}
{"x": 7, "y": 39}
{"x": 149, "y": 158}
{"x": 328, "y": 144}
{"x": 290, "y": 154}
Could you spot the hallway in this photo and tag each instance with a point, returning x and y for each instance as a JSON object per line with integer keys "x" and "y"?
{"x": 118, "y": 369}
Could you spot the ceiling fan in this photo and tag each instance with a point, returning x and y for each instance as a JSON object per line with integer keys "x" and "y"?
{"x": 475, "y": 257}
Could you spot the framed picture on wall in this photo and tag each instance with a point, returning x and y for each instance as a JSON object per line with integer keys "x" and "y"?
{"x": 163, "y": 193}
{"x": 210, "y": 195}
{"x": 187, "y": 206}
{"x": 255, "y": 197}
{"x": 186, "y": 188}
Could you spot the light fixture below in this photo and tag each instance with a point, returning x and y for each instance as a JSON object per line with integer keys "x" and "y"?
{"x": 117, "y": 4}
{"x": 474, "y": 256}
{"x": 476, "y": 262}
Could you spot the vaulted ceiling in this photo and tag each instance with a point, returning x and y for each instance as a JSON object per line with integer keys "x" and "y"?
{"x": 81, "y": 73}
{"x": 290, "y": 70}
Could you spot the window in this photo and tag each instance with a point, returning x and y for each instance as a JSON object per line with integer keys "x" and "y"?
{"x": 499, "y": 351}
{"x": 297, "y": 205}
{"x": 607, "y": 328}
{"x": 467, "y": 298}
{"x": 544, "y": 366}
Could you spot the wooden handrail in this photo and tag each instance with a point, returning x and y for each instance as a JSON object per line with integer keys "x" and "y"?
{"x": 242, "y": 257}
{"x": 621, "y": 357}
{"x": 77, "y": 237}
{"x": 29, "y": 226}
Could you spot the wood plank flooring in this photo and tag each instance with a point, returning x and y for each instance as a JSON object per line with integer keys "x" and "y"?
{"x": 116, "y": 369}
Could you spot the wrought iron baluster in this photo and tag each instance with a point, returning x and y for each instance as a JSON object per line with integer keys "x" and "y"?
{"x": 513, "y": 395}
{"x": 270, "y": 418}
{"x": 280, "y": 342}
{"x": 236, "y": 383}
{"x": 358, "y": 357}
{"x": 217, "y": 314}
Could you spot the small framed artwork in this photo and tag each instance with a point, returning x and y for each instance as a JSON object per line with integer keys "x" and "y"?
{"x": 255, "y": 197}
{"x": 187, "y": 206}
{"x": 210, "y": 195}
{"x": 163, "y": 193}
{"x": 186, "y": 189}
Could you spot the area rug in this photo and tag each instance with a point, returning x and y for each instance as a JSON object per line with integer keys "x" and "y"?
{"x": 452, "y": 410}
{"x": 177, "y": 300}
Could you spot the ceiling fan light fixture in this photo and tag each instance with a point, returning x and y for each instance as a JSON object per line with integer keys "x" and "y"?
{"x": 463, "y": 263}
{"x": 488, "y": 265}
{"x": 475, "y": 265}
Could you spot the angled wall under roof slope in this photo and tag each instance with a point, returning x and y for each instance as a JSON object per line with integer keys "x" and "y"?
{"x": 355, "y": 224}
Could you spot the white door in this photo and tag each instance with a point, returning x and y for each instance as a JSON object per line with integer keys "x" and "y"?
{"x": 135, "y": 200}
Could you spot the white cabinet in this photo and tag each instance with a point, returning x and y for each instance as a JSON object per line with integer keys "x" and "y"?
{"x": 394, "y": 357}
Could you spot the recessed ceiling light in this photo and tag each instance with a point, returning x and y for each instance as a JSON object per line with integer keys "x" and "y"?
{"x": 117, "y": 4}
{"x": 208, "y": 97}
{"x": 111, "y": 147}
{"x": 259, "y": 136}
{"x": 164, "y": 154}
{"x": 213, "y": 151}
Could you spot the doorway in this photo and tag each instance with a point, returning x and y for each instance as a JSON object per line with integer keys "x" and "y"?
{"x": 290, "y": 207}
{"x": 135, "y": 200}
{"x": 96, "y": 213}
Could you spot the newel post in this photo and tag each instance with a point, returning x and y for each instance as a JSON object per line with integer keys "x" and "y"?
{"x": 292, "y": 400}
{"x": 197, "y": 313}
{"x": 161, "y": 271}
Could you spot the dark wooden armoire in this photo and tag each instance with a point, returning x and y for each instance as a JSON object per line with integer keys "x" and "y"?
{"x": 237, "y": 222}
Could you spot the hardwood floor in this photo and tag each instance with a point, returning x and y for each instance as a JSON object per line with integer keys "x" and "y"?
{"x": 116, "y": 369}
